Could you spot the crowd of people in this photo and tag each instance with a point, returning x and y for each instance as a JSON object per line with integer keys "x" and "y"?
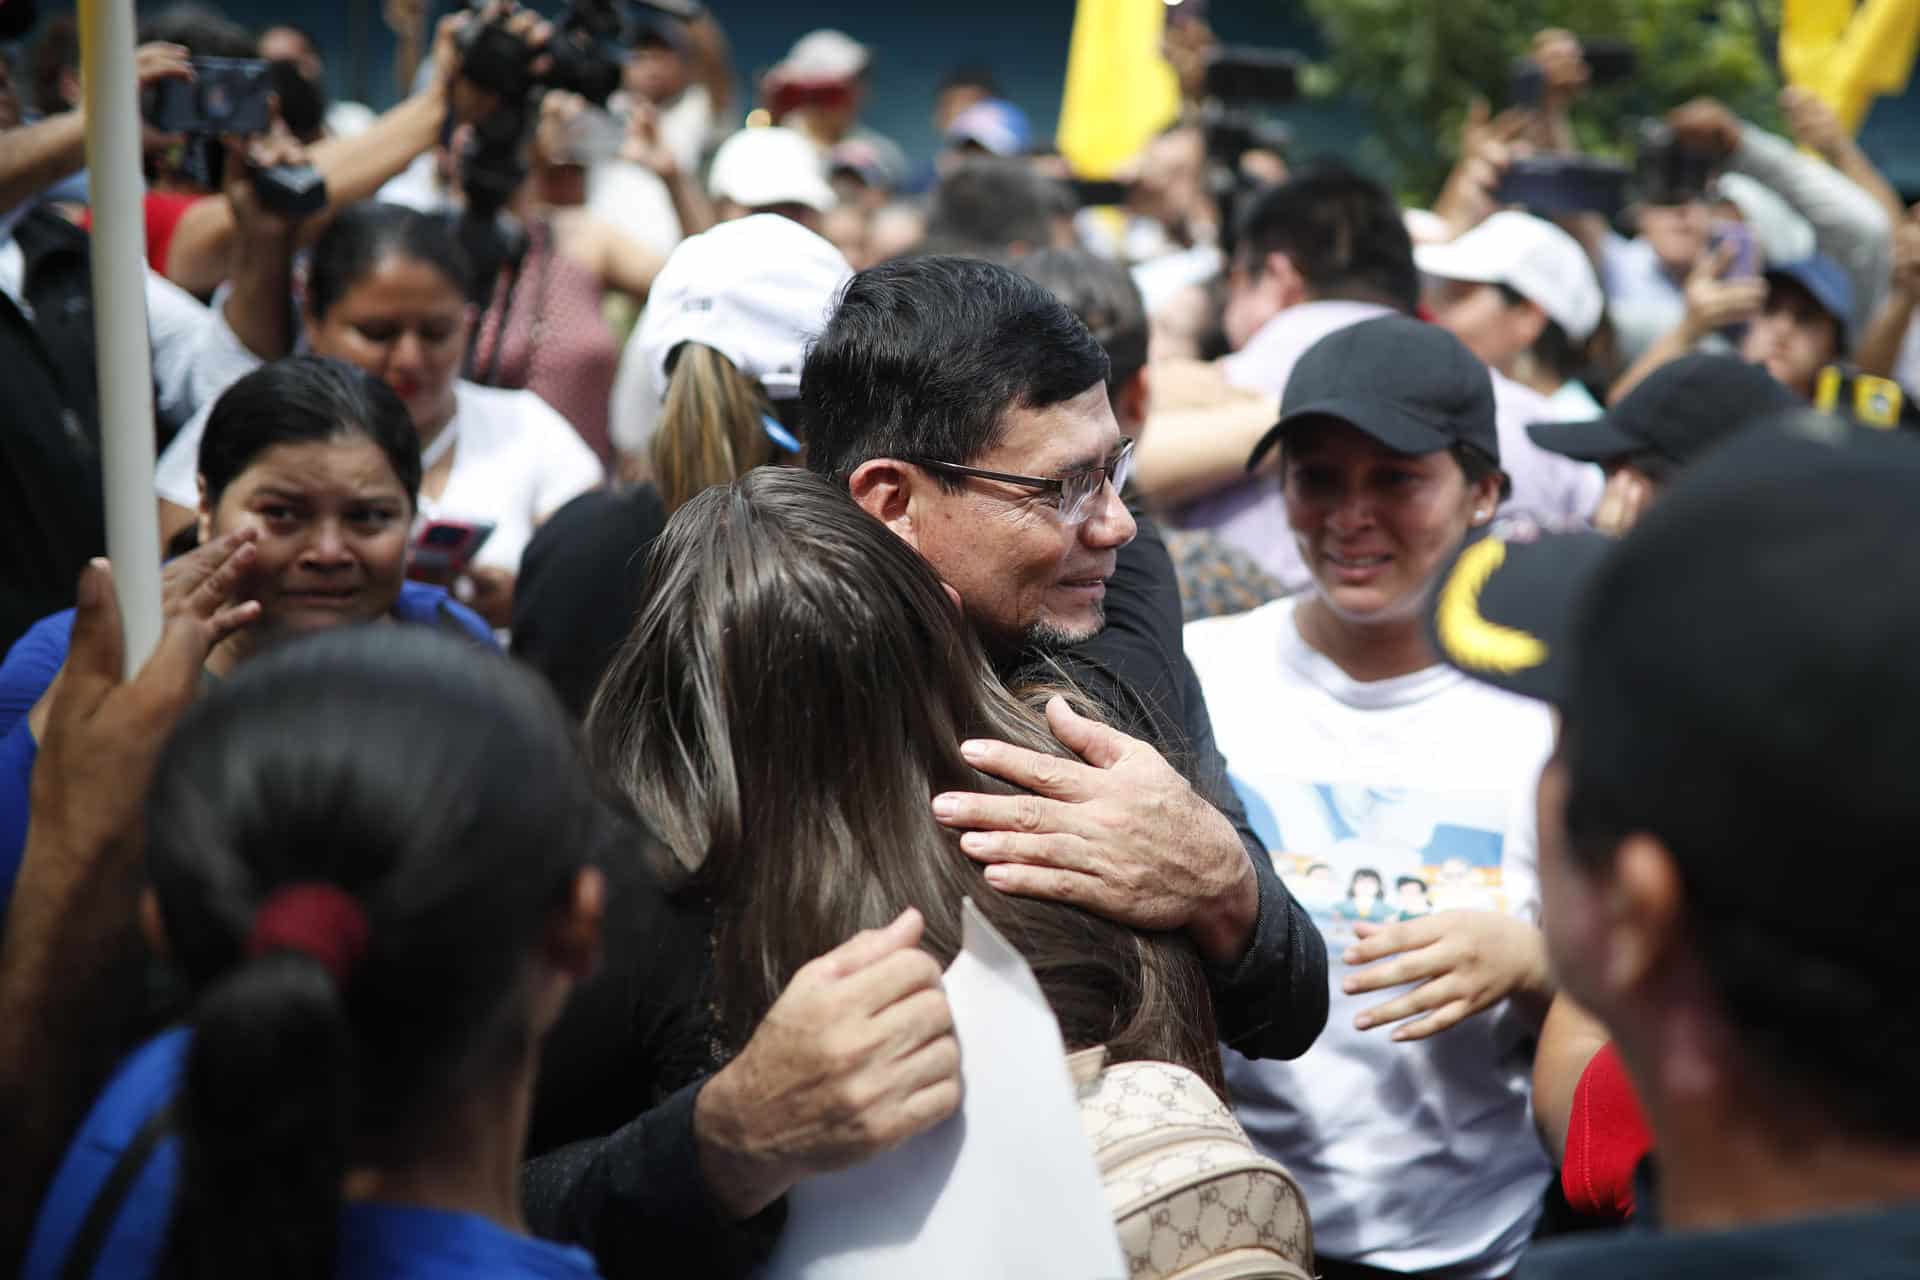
{"x": 1393, "y": 668}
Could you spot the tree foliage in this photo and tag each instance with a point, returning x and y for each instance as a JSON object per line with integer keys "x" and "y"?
{"x": 1416, "y": 64}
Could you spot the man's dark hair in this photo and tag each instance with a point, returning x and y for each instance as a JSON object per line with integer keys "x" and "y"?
{"x": 1343, "y": 233}
{"x": 1102, "y": 293}
{"x": 924, "y": 357}
{"x": 204, "y": 32}
{"x": 988, "y": 205}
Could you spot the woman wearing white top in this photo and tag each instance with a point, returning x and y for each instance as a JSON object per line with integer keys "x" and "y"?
{"x": 387, "y": 291}
{"x": 1408, "y": 1121}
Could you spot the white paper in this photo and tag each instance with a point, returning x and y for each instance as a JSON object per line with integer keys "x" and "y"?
{"x": 1007, "y": 1188}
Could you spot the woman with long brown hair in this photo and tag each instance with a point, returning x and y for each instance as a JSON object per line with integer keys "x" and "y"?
{"x": 797, "y": 685}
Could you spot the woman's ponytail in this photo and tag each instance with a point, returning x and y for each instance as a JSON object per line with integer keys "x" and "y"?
{"x": 711, "y": 428}
{"x": 266, "y": 1104}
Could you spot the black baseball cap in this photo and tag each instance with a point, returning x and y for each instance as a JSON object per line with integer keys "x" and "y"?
{"x": 1789, "y": 551}
{"x": 1681, "y": 410}
{"x": 1412, "y": 386}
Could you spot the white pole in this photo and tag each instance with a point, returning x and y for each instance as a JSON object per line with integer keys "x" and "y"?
{"x": 117, "y": 193}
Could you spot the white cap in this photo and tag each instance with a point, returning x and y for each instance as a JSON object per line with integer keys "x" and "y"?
{"x": 824, "y": 56}
{"x": 1531, "y": 256}
{"x": 759, "y": 168}
{"x": 756, "y": 289}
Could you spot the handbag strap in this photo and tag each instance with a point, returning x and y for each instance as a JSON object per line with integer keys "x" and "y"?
{"x": 91, "y": 1239}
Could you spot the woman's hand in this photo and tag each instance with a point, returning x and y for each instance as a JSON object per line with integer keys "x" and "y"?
{"x": 1464, "y": 961}
{"x": 200, "y": 591}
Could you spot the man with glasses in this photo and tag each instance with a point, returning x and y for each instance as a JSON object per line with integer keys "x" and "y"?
{"x": 966, "y": 408}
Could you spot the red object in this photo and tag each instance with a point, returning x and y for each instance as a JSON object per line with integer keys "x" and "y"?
{"x": 1607, "y": 1138}
{"x": 316, "y": 919}
{"x": 163, "y": 212}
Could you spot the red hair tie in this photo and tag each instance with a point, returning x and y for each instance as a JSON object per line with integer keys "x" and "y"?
{"x": 316, "y": 919}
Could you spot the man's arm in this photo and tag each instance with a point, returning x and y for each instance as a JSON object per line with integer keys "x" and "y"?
{"x": 69, "y": 964}
{"x": 855, "y": 1057}
{"x": 1128, "y": 836}
{"x": 35, "y": 156}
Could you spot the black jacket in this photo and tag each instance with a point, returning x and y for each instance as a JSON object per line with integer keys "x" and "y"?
{"x": 636, "y": 1198}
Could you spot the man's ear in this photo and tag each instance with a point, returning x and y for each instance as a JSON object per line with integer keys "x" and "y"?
{"x": 573, "y": 938}
{"x": 883, "y": 488}
{"x": 153, "y": 928}
{"x": 1289, "y": 286}
{"x": 1130, "y": 403}
{"x": 1645, "y": 915}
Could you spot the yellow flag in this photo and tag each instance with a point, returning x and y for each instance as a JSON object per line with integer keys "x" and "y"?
{"x": 1848, "y": 54}
{"x": 1120, "y": 91}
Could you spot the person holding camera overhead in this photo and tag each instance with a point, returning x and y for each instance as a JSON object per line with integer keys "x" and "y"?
{"x": 387, "y": 291}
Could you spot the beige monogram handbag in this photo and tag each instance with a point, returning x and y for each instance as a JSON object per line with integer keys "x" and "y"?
{"x": 1191, "y": 1198}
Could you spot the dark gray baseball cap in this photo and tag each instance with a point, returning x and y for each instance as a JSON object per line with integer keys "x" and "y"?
{"x": 1412, "y": 386}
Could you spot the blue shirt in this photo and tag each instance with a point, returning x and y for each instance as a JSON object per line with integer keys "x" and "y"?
{"x": 36, "y": 657}
{"x": 377, "y": 1241}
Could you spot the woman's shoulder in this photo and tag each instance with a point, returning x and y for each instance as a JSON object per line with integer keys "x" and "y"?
{"x": 422, "y": 604}
{"x": 32, "y": 663}
{"x": 504, "y": 412}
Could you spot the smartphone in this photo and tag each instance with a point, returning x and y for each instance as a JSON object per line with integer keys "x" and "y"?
{"x": 225, "y": 96}
{"x": 442, "y": 549}
{"x": 1564, "y": 184}
{"x": 1746, "y": 258}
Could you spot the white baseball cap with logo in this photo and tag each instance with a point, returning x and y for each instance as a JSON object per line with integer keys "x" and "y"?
{"x": 760, "y": 168}
{"x": 757, "y": 290}
{"x": 1531, "y": 256}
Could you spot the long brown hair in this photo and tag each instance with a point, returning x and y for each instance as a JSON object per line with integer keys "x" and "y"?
{"x": 710, "y": 428}
{"x": 794, "y": 693}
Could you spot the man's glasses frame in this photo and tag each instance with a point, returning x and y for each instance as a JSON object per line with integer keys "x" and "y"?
{"x": 1073, "y": 495}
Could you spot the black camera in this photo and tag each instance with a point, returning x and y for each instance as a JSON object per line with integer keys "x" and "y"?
{"x": 584, "y": 57}
{"x": 1667, "y": 171}
{"x": 585, "y": 54}
{"x": 225, "y": 96}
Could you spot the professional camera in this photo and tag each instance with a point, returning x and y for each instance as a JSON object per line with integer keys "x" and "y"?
{"x": 230, "y": 97}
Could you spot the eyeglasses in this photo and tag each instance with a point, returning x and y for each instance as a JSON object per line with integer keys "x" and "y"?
{"x": 1073, "y": 495}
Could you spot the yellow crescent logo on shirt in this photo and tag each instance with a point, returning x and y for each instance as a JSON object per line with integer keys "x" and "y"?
{"x": 1470, "y": 639}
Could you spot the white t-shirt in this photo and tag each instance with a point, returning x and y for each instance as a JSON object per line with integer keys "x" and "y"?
{"x": 1420, "y": 1155}
{"x": 515, "y": 462}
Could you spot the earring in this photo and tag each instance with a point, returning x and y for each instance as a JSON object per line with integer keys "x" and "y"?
{"x": 1480, "y": 514}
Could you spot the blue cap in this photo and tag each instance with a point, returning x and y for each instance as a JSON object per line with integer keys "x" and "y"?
{"x": 1826, "y": 282}
{"x": 995, "y": 124}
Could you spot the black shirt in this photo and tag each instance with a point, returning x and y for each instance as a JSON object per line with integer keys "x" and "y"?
{"x": 580, "y": 582}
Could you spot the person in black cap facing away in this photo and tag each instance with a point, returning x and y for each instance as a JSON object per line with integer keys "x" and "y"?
{"x": 1407, "y": 1122}
{"x": 1739, "y": 935}
{"x": 1681, "y": 411}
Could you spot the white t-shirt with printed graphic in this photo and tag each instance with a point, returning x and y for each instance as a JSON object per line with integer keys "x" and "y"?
{"x": 1382, "y": 800}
